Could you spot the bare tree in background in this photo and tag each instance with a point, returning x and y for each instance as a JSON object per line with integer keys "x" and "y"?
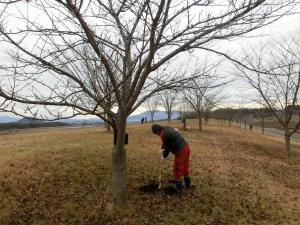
{"x": 169, "y": 100}
{"x": 45, "y": 79}
{"x": 184, "y": 112}
{"x": 152, "y": 105}
{"x": 277, "y": 79}
{"x": 207, "y": 112}
{"x": 243, "y": 102}
{"x": 203, "y": 93}
{"x": 230, "y": 115}
{"x": 261, "y": 112}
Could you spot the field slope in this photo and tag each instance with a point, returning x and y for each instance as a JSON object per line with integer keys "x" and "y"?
{"x": 64, "y": 177}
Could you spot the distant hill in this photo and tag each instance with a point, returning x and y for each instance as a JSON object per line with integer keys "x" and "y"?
{"x": 158, "y": 115}
{"x": 8, "y": 119}
{"x": 4, "y": 119}
{"x": 30, "y": 121}
{"x": 77, "y": 121}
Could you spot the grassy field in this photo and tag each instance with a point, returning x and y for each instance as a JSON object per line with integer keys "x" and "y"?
{"x": 64, "y": 177}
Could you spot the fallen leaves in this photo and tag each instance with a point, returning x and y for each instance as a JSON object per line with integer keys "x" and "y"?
{"x": 71, "y": 184}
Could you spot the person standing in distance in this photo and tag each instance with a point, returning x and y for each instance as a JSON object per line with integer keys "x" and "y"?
{"x": 173, "y": 142}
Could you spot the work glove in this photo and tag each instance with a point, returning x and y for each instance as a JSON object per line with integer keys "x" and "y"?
{"x": 162, "y": 154}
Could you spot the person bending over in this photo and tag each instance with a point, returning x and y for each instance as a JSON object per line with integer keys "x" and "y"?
{"x": 173, "y": 142}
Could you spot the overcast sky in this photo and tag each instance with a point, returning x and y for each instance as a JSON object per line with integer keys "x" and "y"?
{"x": 288, "y": 26}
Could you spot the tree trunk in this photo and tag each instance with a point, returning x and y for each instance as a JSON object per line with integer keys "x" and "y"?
{"x": 108, "y": 127}
{"x": 119, "y": 164}
{"x": 183, "y": 120}
{"x": 169, "y": 117}
{"x": 263, "y": 125}
{"x": 200, "y": 121}
{"x": 106, "y": 124}
{"x": 152, "y": 117}
{"x": 287, "y": 138}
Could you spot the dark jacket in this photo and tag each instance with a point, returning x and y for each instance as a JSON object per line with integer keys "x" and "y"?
{"x": 172, "y": 141}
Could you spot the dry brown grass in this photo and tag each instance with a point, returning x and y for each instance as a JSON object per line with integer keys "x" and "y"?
{"x": 64, "y": 177}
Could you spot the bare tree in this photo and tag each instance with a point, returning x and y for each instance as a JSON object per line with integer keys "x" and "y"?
{"x": 277, "y": 79}
{"x": 152, "y": 105}
{"x": 46, "y": 81}
{"x": 243, "y": 114}
{"x": 169, "y": 100}
{"x": 184, "y": 112}
{"x": 229, "y": 115}
{"x": 203, "y": 93}
{"x": 100, "y": 83}
{"x": 262, "y": 112}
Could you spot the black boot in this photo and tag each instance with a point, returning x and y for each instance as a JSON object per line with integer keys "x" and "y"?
{"x": 187, "y": 182}
{"x": 178, "y": 186}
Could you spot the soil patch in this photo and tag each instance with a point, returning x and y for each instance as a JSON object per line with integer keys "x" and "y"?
{"x": 152, "y": 187}
{"x": 170, "y": 190}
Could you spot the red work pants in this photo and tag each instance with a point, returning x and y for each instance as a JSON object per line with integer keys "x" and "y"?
{"x": 181, "y": 162}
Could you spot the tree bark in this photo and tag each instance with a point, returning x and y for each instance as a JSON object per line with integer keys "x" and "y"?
{"x": 152, "y": 117}
{"x": 119, "y": 164}
{"x": 287, "y": 138}
{"x": 169, "y": 117}
{"x": 263, "y": 125}
{"x": 183, "y": 120}
{"x": 106, "y": 124}
{"x": 108, "y": 127}
{"x": 200, "y": 121}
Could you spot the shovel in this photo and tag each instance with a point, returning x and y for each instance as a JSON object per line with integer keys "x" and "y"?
{"x": 160, "y": 173}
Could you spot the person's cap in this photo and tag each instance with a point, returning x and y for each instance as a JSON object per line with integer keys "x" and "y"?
{"x": 156, "y": 128}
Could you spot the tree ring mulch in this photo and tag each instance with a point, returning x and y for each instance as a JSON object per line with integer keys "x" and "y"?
{"x": 152, "y": 187}
{"x": 149, "y": 188}
{"x": 170, "y": 190}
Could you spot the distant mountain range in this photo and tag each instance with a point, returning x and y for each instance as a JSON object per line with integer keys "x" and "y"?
{"x": 72, "y": 121}
{"x": 9, "y": 119}
{"x": 158, "y": 115}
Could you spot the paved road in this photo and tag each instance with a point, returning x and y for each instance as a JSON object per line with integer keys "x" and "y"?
{"x": 273, "y": 131}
